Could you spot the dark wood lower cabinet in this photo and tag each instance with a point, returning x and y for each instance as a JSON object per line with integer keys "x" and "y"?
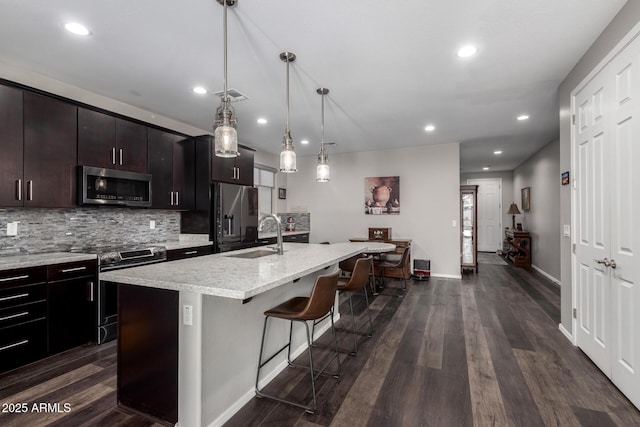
{"x": 148, "y": 322}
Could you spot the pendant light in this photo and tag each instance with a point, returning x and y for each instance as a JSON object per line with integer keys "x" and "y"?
{"x": 225, "y": 134}
{"x": 287, "y": 156}
{"x": 322, "y": 170}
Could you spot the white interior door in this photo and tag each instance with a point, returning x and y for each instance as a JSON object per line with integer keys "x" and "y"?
{"x": 606, "y": 148}
{"x": 489, "y": 213}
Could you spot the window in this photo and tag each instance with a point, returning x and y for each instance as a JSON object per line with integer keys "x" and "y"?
{"x": 264, "y": 179}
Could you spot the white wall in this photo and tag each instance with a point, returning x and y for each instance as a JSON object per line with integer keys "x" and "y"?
{"x": 429, "y": 200}
{"x": 541, "y": 172}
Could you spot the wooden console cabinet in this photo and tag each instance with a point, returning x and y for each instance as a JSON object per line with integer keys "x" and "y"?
{"x": 518, "y": 247}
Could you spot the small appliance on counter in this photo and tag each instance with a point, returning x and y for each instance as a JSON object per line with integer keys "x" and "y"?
{"x": 291, "y": 225}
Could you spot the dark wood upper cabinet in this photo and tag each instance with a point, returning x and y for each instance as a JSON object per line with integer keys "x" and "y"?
{"x": 109, "y": 142}
{"x": 50, "y": 152}
{"x": 11, "y": 146}
{"x": 171, "y": 164}
{"x": 234, "y": 170}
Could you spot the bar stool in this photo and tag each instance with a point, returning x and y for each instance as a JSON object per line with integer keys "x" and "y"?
{"x": 303, "y": 309}
{"x": 357, "y": 282}
{"x": 396, "y": 265}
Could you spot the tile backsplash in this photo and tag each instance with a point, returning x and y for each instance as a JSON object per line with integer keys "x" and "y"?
{"x": 302, "y": 222}
{"x": 52, "y": 230}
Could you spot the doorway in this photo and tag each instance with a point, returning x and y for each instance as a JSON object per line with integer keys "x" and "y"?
{"x": 489, "y": 213}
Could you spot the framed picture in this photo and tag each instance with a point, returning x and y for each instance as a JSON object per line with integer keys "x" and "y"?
{"x": 565, "y": 178}
{"x": 526, "y": 198}
{"x": 282, "y": 193}
{"x": 382, "y": 195}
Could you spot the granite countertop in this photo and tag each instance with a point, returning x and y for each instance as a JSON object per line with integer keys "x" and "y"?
{"x": 36, "y": 260}
{"x": 268, "y": 235}
{"x": 238, "y": 278}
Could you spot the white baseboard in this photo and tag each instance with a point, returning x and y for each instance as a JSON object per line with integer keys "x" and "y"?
{"x": 566, "y": 333}
{"x": 250, "y": 394}
{"x": 447, "y": 276}
{"x": 545, "y": 274}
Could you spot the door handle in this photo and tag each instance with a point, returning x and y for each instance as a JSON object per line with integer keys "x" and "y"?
{"x": 177, "y": 198}
{"x": 90, "y": 295}
{"x": 29, "y": 190}
{"x": 121, "y": 157}
{"x": 19, "y": 190}
{"x": 172, "y": 203}
{"x": 113, "y": 155}
{"x": 607, "y": 262}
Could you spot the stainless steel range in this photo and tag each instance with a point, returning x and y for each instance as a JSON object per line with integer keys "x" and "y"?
{"x": 114, "y": 259}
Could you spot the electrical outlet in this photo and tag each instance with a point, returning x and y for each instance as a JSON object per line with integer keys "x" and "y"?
{"x": 152, "y": 225}
{"x": 187, "y": 315}
{"x": 12, "y": 228}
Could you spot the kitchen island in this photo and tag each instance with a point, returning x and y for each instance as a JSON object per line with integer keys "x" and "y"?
{"x": 189, "y": 330}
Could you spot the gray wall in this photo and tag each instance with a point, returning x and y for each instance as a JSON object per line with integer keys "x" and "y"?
{"x": 52, "y": 230}
{"x": 507, "y": 190}
{"x": 628, "y": 16}
{"x": 429, "y": 200}
{"x": 541, "y": 172}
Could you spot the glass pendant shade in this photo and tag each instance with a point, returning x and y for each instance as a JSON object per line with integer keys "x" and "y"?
{"x": 322, "y": 170}
{"x": 226, "y": 141}
{"x": 288, "y": 156}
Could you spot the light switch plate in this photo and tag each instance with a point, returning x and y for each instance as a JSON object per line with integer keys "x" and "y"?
{"x": 187, "y": 315}
{"x": 566, "y": 230}
{"x": 453, "y": 223}
{"x": 12, "y": 228}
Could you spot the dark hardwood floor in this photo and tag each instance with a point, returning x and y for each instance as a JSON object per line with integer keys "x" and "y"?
{"x": 481, "y": 351}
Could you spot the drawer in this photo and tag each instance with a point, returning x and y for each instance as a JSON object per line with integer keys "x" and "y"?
{"x": 72, "y": 270}
{"x": 22, "y": 313}
{"x": 20, "y": 295}
{"x": 176, "y": 254}
{"x": 22, "y": 344}
{"x": 22, "y": 276}
{"x": 297, "y": 238}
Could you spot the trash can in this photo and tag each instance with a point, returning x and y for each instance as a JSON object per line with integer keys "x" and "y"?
{"x": 421, "y": 269}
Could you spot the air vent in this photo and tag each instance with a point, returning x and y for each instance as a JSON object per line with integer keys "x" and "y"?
{"x": 234, "y": 95}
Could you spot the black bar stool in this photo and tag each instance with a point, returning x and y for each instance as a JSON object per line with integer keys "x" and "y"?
{"x": 303, "y": 309}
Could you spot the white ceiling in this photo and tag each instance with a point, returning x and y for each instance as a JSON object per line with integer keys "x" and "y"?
{"x": 391, "y": 66}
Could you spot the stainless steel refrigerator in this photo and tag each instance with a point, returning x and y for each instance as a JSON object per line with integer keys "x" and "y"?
{"x": 234, "y": 211}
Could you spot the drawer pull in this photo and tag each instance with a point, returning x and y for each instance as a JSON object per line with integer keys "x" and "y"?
{"x": 190, "y": 252}
{"x": 10, "y": 297}
{"x": 70, "y": 270}
{"x": 7, "y": 279}
{"x": 15, "y": 344}
{"x": 13, "y": 316}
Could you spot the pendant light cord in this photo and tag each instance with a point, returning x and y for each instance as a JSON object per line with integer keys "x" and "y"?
{"x": 322, "y": 127}
{"x": 225, "y": 113}
{"x": 287, "y": 123}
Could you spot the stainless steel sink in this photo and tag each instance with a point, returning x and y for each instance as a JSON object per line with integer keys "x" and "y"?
{"x": 254, "y": 254}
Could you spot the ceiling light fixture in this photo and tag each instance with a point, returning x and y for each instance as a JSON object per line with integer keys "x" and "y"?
{"x": 467, "y": 51}
{"x": 287, "y": 156}
{"x": 225, "y": 134}
{"x": 322, "y": 170}
{"x": 497, "y": 152}
{"x": 523, "y": 117}
{"x": 304, "y": 142}
{"x": 262, "y": 121}
{"x": 76, "y": 28}
{"x": 486, "y": 168}
{"x": 200, "y": 90}
{"x": 430, "y": 128}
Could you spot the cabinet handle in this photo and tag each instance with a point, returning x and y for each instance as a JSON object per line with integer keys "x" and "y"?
{"x": 121, "y": 157}
{"x": 171, "y": 192}
{"x": 177, "y": 199}
{"x": 29, "y": 190}
{"x": 15, "y": 344}
{"x": 10, "y": 297}
{"x": 7, "y": 279}
{"x": 113, "y": 155}
{"x": 19, "y": 190}
{"x": 13, "y": 316}
{"x": 190, "y": 252}
{"x": 69, "y": 270}
{"x": 91, "y": 296}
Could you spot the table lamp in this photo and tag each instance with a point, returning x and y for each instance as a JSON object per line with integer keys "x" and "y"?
{"x": 513, "y": 211}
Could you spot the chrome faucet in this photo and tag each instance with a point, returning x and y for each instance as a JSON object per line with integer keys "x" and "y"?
{"x": 276, "y": 218}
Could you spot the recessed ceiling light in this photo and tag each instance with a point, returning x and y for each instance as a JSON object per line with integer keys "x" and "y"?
{"x": 76, "y": 28}
{"x": 497, "y": 152}
{"x": 200, "y": 90}
{"x": 262, "y": 121}
{"x": 523, "y": 117}
{"x": 486, "y": 168}
{"x": 430, "y": 128}
{"x": 304, "y": 141}
{"x": 467, "y": 51}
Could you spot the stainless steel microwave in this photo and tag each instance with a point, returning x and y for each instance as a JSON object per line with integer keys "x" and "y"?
{"x": 99, "y": 186}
